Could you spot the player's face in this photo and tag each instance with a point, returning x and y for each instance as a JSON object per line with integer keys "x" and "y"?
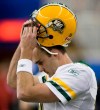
{"x": 46, "y": 63}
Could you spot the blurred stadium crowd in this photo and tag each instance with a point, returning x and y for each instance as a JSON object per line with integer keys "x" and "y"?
{"x": 85, "y": 46}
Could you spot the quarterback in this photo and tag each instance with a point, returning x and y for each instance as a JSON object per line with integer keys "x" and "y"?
{"x": 44, "y": 38}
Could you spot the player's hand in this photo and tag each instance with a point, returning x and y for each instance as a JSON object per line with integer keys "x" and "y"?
{"x": 28, "y": 36}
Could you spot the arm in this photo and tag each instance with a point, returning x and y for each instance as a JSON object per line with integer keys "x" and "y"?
{"x": 11, "y": 76}
{"x": 26, "y": 88}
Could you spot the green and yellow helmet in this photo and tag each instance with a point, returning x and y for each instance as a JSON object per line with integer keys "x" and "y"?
{"x": 56, "y": 24}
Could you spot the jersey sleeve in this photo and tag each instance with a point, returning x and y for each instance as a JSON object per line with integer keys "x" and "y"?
{"x": 67, "y": 84}
{"x": 43, "y": 77}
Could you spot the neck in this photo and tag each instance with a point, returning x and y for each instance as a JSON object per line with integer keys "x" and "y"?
{"x": 65, "y": 59}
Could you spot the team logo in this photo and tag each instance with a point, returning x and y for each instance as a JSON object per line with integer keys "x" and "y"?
{"x": 22, "y": 65}
{"x": 56, "y": 25}
{"x": 74, "y": 71}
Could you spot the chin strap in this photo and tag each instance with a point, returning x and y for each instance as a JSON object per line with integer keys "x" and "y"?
{"x": 51, "y": 53}
{"x": 48, "y": 51}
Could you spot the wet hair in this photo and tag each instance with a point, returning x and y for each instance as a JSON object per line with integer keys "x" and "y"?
{"x": 58, "y": 47}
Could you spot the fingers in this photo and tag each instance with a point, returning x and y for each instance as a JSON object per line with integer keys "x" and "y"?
{"x": 28, "y": 30}
{"x": 25, "y": 31}
{"x": 34, "y": 32}
{"x": 28, "y": 23}
{"x": 22, "y": 29}
{"x": 28, "y": 35}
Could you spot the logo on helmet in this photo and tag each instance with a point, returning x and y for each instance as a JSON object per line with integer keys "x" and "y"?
{"x": 56, "y": 25}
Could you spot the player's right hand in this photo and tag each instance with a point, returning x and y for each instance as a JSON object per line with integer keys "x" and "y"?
{"x": 28, "y": 36}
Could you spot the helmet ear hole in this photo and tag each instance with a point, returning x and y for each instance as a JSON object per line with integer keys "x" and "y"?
{"x": 50, "y": 36}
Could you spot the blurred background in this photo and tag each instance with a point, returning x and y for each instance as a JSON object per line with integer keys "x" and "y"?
{"x": 84, "y": 47}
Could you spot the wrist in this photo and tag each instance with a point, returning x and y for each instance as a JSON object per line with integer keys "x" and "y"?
{"x": 26, "y": 54}
{"x": 24, "y": 65}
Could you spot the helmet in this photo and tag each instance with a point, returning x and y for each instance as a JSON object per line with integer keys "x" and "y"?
{"x": 56, "y": 24}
